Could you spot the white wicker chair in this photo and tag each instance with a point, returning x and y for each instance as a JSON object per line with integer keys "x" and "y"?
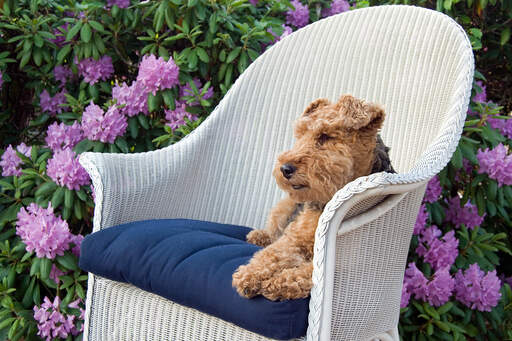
{"x": 416, "y": 62}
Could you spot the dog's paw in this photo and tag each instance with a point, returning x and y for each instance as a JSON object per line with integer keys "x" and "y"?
{"x": 245, "y": 282}
{"x": 287, "y": 285}
{"x": 259, "y": 237}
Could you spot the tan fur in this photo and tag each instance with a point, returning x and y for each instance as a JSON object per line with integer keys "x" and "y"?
{"x": 282, "y": 270}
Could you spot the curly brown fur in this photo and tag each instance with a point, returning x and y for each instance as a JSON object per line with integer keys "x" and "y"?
{"x": 336, "y": 143}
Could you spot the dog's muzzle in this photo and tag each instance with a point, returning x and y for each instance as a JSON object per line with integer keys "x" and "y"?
{"x": 288, "y": 170}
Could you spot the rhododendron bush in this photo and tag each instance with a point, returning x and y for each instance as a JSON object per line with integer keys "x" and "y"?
{"x": 123, "y": 76}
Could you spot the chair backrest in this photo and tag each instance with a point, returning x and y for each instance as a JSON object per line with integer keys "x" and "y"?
{"x": 409, "y": 59}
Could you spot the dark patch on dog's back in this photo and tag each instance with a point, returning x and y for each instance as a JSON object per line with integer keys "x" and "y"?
{"x": 382, "y": 163}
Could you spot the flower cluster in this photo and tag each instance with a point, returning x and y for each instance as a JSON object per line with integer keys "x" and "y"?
{"x": 157, "y": 74}
{"x": 52, "y": 105}
{"x": 10, "y": 162}
{"x": 94, "y": 70}
{"x": 504, "y": 126}
{"x": 337, "y": 6}
{"x": 62, "y": 136}
{"x": 52, "y": 323}
{"x": 119, "y": 3}
{"x": 439, "y": 253}
{"x": 60, "y": 35}
{"x": 477, "y": 290}
{"x": 43, "y": 232}
{"x": 62, "y": 74}
{"x": 299, "y": 17}
{"x": 496, "y": 163}
{"x": 433, "y": 190}
{"x": 103, "y": 126}
{"x": 436, "y": 291}
{"x": 421, "y": 220}
{"x": 65, "y": 169}
{"x": 176, "y": 117}
{"x": 467, "y": 215}
{"x": 131, "y": 99}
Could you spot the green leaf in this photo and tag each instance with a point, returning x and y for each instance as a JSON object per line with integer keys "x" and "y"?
{"x": 68, "y": 261}
{"x": 233, "y": 54}
{"x": 133, "y": 127}
{"x": 456, "y": 160}
{"x": 505, "y": 36}
{"x": 83, "y": 146}
{"x": 445, "y": 308}
{"x": 122, "y": 145}
{"x": 45, "y": 268}
{"x": 201, "y": 53}
{"x": 492, "y": 190}
{"x": 58, "y": 197}
{"x": 36, "y": 265}
{"x": 78, "y": 208}
{"x": 154, "y": 103}
{"x": 143, "y": 121}
{"x": 74, "y": 30}
{"x": 96, "y": 25}
{"x": 86, "y": 33}
{"x": 68, "y": 198}
{"x": 45, "y": 189}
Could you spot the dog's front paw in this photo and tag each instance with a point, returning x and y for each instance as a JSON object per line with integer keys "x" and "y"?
{"x": 287, "y": 285}
{"x": 259, "y": 237}
{"x": 246, "y": 283}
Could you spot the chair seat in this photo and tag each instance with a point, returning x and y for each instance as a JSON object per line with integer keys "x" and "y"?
{"x": 191, "y": 263}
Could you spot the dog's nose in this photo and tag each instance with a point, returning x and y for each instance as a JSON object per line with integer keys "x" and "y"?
{"x": 288, "y": 170}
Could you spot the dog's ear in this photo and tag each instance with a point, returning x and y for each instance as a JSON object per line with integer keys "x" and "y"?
{"x": 356, "y": 114}
{"x": 317, "y": 103}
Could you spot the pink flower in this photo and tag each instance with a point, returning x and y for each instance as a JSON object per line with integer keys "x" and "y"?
{"x": 119, "y": 3}
{"x": 62, "y": 136}
{"x": 299, "y": 16}
{"x": 42, "y": 231}
{"x": 421, "y": 220}
{"x": 477, "y": 290}
{"x": 10, "y": 161}
{"x": 433, "y": 190}
{"x": 496, "y": 163}
{"x": 62, "y": 74}
{"x": 406, "y": 296}
{"x": 94, "y": 70}
{"x": 176, "y": 117}
{"x": 52, "y": 105}
{"x": 100, "y": 126}
{"x": 480, "y": 97}
{"x": 134, "y": 98}
{"x": 440, "y": 288}
{"x": 337, "y": 6}
{"x": 65, "y": 170}
{"x": 55, "y": 273}
{"x": 438, "y": 253}
{"x": 467, "y": 215}
{"x": 51, "y": 322}
{"x": 157, "y": 74}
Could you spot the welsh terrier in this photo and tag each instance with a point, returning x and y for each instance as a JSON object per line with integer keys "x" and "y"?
{"x": 336, "y": 143}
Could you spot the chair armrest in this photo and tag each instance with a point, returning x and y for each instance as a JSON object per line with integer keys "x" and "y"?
{"x": 131, "y": 187}
{"x": 358, "y": 247}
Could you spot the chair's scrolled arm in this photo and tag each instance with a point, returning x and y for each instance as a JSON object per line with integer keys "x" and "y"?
{"x": 332, "y": 225}
{"x": 130, "y": 187}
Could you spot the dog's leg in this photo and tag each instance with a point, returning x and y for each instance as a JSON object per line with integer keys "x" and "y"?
{"x": 290, "y": 283}
{"x": 290, "y": 251}
{"x": 276, "y": 223}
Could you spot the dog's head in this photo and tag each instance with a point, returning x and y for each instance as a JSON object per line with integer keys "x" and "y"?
{"x": 335, "y": 144}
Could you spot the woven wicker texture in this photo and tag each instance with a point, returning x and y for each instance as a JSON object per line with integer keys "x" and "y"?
{"x": 154, "y": 319}
{"x": 366, "y": 304}
{"x": 416, "y": 62}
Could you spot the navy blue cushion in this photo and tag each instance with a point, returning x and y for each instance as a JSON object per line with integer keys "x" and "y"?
{"x": 191, "y": 262}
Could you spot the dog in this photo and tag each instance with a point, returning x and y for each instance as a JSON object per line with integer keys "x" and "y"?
{"x": 335, "y": 144}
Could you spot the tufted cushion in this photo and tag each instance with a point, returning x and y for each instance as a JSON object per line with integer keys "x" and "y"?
{"x": 191, "y": 262}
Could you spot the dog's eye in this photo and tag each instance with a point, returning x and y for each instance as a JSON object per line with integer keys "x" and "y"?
{"x": 322, "y": 138}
